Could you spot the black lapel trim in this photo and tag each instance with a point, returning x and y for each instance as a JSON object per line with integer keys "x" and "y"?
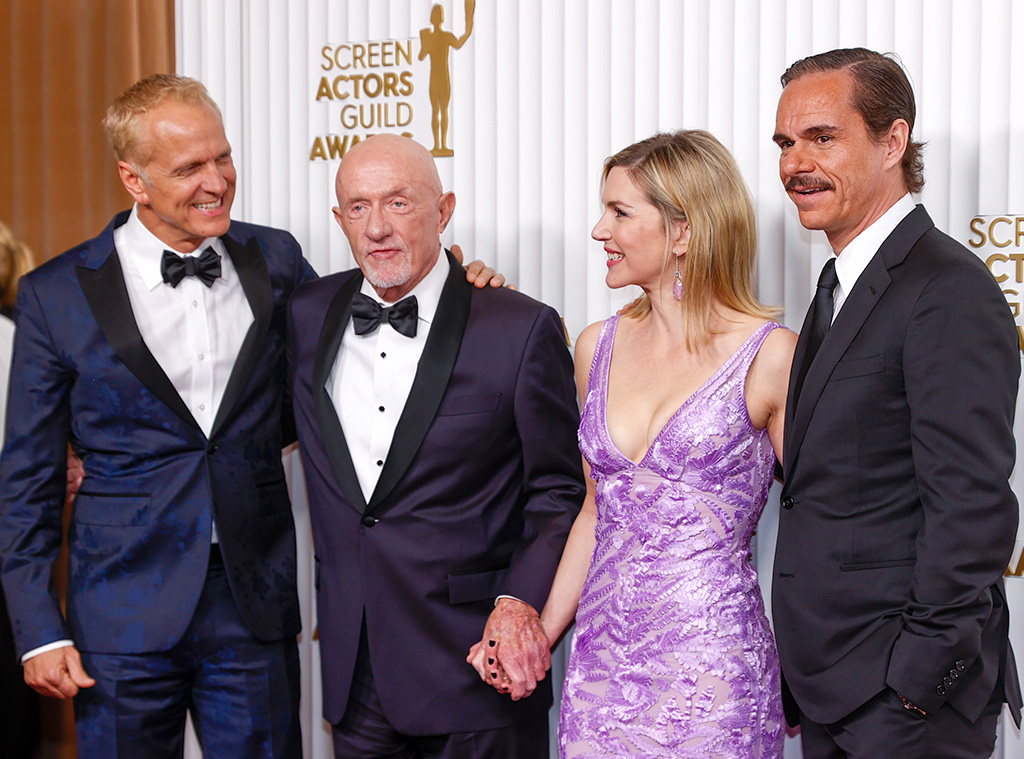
{"x": 332, "y": 436}
{"x": 252, "y": 271}
{"x": 107, "y": 295}
{"x": 432, "y": 375}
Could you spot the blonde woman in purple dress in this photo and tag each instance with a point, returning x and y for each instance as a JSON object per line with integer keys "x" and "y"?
{"x": 683, "y": 400}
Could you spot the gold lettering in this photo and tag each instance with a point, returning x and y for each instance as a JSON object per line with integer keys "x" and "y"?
{"x": 326, "y": 53}
{"x": 324, "y": 90}
{"x": 403, "y": 52}
{"x": 1019, "y": 571}
{"x": 992, "y": 231}
{"x": 372, "y": 85}
{"x": 981, "y": 235}
{"x": 1020, "y": 342}
{"x": 358, "y": 53}
{"x": 1014, "y": 304}
{"x": 319, "y": 152}
{"x": 406, "y": 79}
{"x": 338, "y": 92}
{"x": 374, "y": 53}
{"x": 1018, "y": 258}
{"x": 1020, "y": 230}
{"x": 337, "y": 51}
{"x": 991, "y": 260}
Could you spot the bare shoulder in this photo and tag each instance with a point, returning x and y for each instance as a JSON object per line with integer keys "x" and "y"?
{"x": 583, "y": 355}
{"x": 769, "y": 373}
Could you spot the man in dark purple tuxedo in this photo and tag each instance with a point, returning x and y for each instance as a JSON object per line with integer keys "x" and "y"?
{"x": 437, "y": 424}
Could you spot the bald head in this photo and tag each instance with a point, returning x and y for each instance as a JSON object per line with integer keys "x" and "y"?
{"x": 392, "y": 209}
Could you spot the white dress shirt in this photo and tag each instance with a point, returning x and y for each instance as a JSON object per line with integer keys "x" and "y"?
{"x": 373, "y": 374}
{"x": 856, "y": 256}
{"x": 193, "y": 331}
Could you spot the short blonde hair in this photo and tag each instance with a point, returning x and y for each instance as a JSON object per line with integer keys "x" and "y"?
{"x": 121, "y": 120}
{"x": 15, "y": 260}
{"x": 689, "y": 175}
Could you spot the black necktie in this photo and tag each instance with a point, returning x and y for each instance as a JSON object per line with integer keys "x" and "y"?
{"x": 821, "y": 319}
{"x": 367, "y": 314}
{"x": 175, "y": 268}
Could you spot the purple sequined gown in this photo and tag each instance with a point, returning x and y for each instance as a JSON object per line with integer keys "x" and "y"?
{"x": 672, "y": 655}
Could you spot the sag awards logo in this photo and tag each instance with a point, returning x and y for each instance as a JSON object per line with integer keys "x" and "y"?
{"x": 389, "y": 86}
{"x": 999, "y": 242}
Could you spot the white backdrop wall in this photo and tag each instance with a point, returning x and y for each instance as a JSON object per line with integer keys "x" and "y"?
{"x": 544, "y": 90}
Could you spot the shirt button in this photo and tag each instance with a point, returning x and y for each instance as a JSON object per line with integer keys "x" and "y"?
{"x": 380, "y": 409}
{"x": 195, "y": 304}
{"x": 202, "y": 407}
{"x": 380, "y": 462}
{"x": 202, "y": 357}
{"x": 383, "y": 355}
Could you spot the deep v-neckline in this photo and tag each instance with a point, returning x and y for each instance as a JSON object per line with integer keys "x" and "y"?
{"x": 668, "y": 423}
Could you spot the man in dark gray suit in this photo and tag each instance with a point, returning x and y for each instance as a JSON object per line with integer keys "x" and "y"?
{"x": 897, "y": 516}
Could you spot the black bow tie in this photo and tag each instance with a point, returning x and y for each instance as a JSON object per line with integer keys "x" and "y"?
{"x": 175, "y": 268}
{"x": 367, "y": 314}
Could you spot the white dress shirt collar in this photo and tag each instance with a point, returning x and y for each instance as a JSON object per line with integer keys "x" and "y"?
{"x": 856, "y": 256}
{"x": 146, "y": 250}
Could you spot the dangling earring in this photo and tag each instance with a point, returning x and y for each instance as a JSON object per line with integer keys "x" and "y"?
{"x": 677, "y": 286}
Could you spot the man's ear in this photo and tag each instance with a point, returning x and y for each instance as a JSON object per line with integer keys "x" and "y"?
{"x": 896, "y": 142}
{"x": 133, "y": 182}
{"x": 447, "y": 208}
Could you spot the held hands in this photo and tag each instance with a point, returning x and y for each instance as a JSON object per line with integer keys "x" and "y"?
{"x": 513, "y": 655}
{"x": 57, "y": 673}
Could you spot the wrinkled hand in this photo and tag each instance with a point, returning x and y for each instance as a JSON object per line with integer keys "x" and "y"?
{"x": 58, "y": 673}
{"x": 76, "y": 472}
{"x": 514, "y": 646}
{"x": 478, "y": 273}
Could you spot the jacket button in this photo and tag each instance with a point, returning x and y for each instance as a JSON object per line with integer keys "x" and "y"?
{"x": 961, "y": 665}
{"x": 954, "y": 673}
{"x": 210, "y": 448}
{"x": 947, "y": 681}
{"x": 788, "y": 502}
{"x": 941, "y": 690}
{"x": 369, "y": 521}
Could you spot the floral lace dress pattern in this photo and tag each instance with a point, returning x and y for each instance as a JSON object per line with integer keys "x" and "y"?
{"x": 672, "y": 654}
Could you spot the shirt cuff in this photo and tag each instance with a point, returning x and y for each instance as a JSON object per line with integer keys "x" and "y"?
{"x": 512, "y": 597}
{"x": 48, "y": 647}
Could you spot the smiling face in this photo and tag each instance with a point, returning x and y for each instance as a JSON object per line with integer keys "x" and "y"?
{"x": 183, "y": 179}
{"x": 839, "y": 177}
{"x": 392, "y": 210}
{"x": 633, "y": 232}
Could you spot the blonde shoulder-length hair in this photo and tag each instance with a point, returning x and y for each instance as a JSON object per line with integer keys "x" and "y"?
{"x": 689, "y": 175}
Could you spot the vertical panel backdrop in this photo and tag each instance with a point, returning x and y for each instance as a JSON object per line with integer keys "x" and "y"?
{"x": 543, "y": 90}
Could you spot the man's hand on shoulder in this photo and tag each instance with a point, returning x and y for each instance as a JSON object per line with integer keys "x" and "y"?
{"x": 516, "y": 647}
{"x": 478, "y": 273}
{"x": 57, "y": 673}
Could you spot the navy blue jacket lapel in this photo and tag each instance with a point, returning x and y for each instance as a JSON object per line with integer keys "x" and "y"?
{"x": 107, "y": 295}
{"x": 251, "y": 267}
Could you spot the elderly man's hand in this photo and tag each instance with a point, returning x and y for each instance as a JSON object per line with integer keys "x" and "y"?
{"x": 514, "y": 646}
{"x": 478, "y": 273}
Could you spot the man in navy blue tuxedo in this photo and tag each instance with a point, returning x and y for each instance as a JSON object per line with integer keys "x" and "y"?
{"x": 157, "y": 351}
{"x": 437, "y": 424}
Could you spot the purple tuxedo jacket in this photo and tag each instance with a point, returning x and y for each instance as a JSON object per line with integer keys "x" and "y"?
{"x": 140, "y": 531}
{"x": 476, "y": 498}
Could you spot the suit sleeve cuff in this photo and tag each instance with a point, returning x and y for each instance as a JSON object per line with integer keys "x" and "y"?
{"x": 48, "y": 647}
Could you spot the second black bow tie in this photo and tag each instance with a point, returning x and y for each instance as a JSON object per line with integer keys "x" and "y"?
{"x": 205, "y": 267}
{"x": 367, "y": 315}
